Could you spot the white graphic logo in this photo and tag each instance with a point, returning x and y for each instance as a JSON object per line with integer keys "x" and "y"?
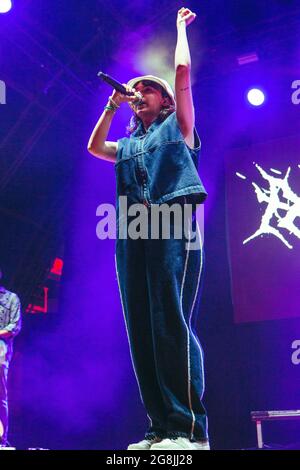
{"x": 283, "y": 206}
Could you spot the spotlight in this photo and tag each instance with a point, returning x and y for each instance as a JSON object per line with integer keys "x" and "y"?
{"x": 256, "y": 97}
{"x": 5, "y": 6}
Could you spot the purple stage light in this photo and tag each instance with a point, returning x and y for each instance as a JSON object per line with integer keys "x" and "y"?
{"x": 256, "y": 97}
{"x": 5, "y": 6}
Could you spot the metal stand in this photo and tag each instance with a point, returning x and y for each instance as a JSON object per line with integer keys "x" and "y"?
{"x": 259, "y": 416}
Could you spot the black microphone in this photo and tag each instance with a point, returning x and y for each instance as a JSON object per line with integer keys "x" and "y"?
{"x": 119, "y": 87}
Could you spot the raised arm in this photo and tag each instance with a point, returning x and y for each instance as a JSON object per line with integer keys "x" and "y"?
{"x": 98, "y": 145}
{"x": 183, "y": 91}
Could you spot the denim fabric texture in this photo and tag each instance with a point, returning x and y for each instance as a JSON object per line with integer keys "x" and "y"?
{"x": 158, "y": 165}
{"x": 159, "y": 282}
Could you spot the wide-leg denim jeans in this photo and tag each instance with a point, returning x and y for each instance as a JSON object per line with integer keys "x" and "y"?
{"x": 159, "y": 282}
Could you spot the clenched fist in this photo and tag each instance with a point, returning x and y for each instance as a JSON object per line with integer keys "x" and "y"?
{"x": 185, "y": 16}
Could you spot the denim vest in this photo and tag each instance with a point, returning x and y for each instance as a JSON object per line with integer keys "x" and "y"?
{"x": 157, "y": 166}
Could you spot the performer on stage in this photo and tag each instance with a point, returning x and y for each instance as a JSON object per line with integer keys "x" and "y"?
{"x": 10, "y": 325}
{"x": 159, "y": 278}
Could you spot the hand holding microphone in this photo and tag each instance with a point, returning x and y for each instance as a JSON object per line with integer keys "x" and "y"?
{"x": 134, "y": 98}
{"x": 122, "y": 93}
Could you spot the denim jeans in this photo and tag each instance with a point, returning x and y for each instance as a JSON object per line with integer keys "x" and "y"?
{"x": 159, "y": 286}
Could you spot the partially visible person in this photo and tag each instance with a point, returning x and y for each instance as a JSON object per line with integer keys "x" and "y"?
{"x": 10, "y": 325}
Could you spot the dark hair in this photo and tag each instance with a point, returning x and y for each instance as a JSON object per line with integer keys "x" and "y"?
{"x": 164, "y": 112}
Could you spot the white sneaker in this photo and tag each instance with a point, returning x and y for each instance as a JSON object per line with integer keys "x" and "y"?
{"x": 180, "y": 443}
{"x": 144, "y": 445}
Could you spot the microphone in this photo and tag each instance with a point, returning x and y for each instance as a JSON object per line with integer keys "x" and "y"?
{"x": 119, "y": 87}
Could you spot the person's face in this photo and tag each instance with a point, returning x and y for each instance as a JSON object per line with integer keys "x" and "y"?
{"x": 152, "y": 102}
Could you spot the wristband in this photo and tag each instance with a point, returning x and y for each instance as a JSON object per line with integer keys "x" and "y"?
{"x": 110, "y": 108}
{"x": 113, "y": 103}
